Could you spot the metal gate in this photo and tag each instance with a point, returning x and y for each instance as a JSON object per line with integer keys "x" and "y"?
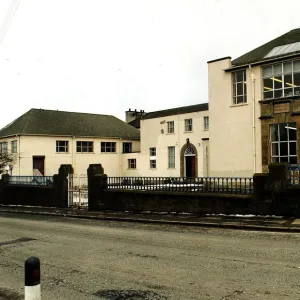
{"x": 77, "y": 190}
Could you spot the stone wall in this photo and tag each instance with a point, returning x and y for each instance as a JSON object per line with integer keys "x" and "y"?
{"x": 274, "y": 112}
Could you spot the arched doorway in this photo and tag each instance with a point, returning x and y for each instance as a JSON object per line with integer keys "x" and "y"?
{"x": 188, "y": 160}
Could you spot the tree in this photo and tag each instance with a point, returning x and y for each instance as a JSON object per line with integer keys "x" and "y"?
{"x": 6, "y": 159}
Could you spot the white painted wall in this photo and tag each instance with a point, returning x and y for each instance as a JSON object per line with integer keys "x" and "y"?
{"x": 231, "y": 126}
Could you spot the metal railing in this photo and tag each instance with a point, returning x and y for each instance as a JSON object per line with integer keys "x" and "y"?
{"x": 294, "y": 175}
{"x": 225, "y": 185}
{"x": 31, "y": 180}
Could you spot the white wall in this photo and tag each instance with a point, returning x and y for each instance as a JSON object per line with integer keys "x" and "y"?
{"x": 30, "y": 146}
{"x": 231, "y": 126}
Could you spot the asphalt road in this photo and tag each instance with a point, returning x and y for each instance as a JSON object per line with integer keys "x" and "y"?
{"x": 87, "y": 259}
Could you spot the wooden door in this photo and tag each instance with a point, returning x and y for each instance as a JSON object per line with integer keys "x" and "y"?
{"x": 193, "y": 166}
{"x": 38, "y": 163}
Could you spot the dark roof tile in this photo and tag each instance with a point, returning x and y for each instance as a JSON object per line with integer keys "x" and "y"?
{"x": 62, "y": 123}
{"x": 259, "y": 53}
{"x": 176, "y": 111}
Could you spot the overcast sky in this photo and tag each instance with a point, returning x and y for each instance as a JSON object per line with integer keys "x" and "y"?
{"x": 105, "y": 56}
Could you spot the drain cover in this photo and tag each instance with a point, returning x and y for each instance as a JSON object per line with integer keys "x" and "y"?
{"x": 128, "y": 294}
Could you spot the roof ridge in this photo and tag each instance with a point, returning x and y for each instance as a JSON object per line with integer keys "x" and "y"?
{"x": 71, "y": 112}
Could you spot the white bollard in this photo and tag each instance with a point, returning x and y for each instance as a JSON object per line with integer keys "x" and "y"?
{"x": 32, "y": 279}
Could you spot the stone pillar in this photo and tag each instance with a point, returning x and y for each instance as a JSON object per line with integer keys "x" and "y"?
{"x": 97, "y": 182}
{"x": 61, "y": 184}
{"x": 3, "y": 182}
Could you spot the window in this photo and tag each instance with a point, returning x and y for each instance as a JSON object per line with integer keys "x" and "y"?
{"x": 62, "y": 146}
{"x": 188, "y": 124}
{"x": 281, "y": 80}
{"x": 239, "y": 87}
{"x": 132, "y": 163}
{"x": 84, "y": 146}
{"x": 108, "y": 147}
{"x": 206, "y": 123}
{"x": 152, "y": 158}
{"x": 152, "y": 163}
{"x": 3, "y": 147}
{"x": 170, "y": 127}
{"x": 283, "y": 139}
{"x": 171, "y": 157}
{"x": 152, "y": 151}
{"x": 127, "y": 147}
{"x": 14, "y": 146}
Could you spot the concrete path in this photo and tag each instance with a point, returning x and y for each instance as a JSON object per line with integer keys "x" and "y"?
{"x": 266, "y": 223}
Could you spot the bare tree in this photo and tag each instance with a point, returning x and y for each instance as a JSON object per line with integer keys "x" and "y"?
{"x": 6, "y": 159}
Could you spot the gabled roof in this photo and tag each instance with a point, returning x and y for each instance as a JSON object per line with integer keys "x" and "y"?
{"x": 63, "y": 123}
{"x": 259, "y": 53}
{"x": 176, "y": 111}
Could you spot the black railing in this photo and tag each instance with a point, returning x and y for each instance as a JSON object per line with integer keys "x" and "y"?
{"x": 294, "y": 175}
{"x": 225, "y": 185}
{"x": 31, "y": 180}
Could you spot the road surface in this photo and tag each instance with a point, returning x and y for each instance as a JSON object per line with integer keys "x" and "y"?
{"x": 88, "y": 259}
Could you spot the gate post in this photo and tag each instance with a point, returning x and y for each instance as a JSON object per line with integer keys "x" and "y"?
{"x": 61, "y": 184}
{"x": 97, "y": 181}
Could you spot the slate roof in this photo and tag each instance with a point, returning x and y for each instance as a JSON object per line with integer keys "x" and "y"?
{"x": 259, "y": 53}
{"x": 63, "y": 123}
{"x": 176, "y": 111}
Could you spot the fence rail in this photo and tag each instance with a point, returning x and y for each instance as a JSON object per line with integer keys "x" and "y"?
{"x": 31, "y": 180}
{"x": 225, "y": 185}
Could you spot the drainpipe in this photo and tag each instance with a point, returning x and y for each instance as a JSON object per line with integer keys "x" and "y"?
{"x": 19, "y": 150}
{"x": 120, "y": 157}
{"x": 253, "y": 118}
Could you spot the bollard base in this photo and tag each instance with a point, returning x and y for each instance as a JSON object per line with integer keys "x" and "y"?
{"x": 33, "y": 292}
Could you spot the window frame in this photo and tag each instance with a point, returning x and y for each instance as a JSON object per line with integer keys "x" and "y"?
{"x": 171, "y": 158}
{"x": 171, "y": 127}
{"x": 108, "y": 146}
{"x": 89, "y": 146}
{"x": 187, "y": 123}
{"x": 66, "y": 146}
{"x": 287, "y": 89}
{"x": 206, "y": 123}
{"x": 14, "y": 146}
{"x": 152, "y": 151}
{"x": 124, "y": 147}
{"x": 278, "y": 143}
{"x": 153, "y": 164}
{"x": 131, "y": 163}
{"x": 235, "y": 84}
{"x": 4, "y": 148}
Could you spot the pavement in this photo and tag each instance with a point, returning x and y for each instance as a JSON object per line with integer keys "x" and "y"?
{"x": 246, "y": 222}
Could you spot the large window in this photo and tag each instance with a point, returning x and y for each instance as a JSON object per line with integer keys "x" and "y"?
{"x": 3, "y": 147}
{"x": 108, "y": 147}
{"x": 188, "y": 124}
{"x": 170, "y": 127}
{"x": 84, "y": 146}
{"x": 14, "y": 146}
{"x": 62, "y": 146}
{"x": 239, "y": 87}
{"x": 171, "y": 157}
{"x": 132, "y": 163}
{"x": 127, "y": 147}
{"x": 206, "y": 123}
{"x": 281, "y": 80}
{"x": 283, "y": 143}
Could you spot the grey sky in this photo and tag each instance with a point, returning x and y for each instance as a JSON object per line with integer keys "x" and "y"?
{"x": 107, "y": 56}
